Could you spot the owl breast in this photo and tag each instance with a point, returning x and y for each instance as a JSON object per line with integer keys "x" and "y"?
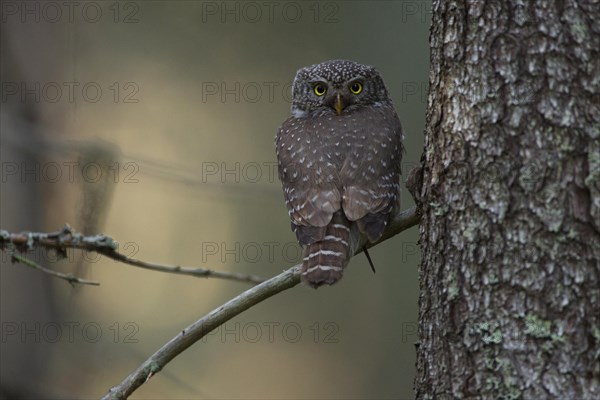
{"x": 340, "y": 150}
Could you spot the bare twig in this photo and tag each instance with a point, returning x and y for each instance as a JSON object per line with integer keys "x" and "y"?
{"x": 176, "y": 269}
{"x": 232, "y": 308}
{"x": 67, "y": 238}
{"x": 67, "y": 277}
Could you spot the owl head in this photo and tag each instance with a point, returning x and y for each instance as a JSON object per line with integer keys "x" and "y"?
{"x": 336, "y": 87}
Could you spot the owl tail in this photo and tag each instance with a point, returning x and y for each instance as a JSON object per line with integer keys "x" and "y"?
{"x": 325, "y": 260}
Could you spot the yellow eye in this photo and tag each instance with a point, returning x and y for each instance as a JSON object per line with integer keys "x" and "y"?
{"x": 356, "y": 88}
{"x": 319, "y": 89}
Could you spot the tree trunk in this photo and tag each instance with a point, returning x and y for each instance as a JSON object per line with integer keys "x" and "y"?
{"x": 510, "y": 274}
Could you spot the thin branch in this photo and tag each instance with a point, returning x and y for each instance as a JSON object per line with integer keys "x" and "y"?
{"x": 176, "y": 269}
{"x": 232, "y": 308}
{"x": 67, "y": 277}
{"x": 67, "y": 238}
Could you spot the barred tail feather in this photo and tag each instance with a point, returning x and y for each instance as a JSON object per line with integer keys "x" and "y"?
{"x": 325, "y": 260}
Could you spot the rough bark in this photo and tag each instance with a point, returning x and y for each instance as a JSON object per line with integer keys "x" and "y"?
{"x": 510, "y": 274}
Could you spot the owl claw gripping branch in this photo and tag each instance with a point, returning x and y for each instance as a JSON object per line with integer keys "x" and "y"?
{"x": 339, "y": 159}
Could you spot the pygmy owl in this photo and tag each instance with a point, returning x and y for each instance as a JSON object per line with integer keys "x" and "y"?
{"x": 339, "y": 159}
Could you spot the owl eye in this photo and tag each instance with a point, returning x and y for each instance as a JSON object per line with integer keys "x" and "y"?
{"x": 356, "y": 88}
{"x": 319, "y": 89}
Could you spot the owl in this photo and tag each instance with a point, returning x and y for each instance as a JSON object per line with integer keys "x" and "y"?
{"x": 338, "y": 159}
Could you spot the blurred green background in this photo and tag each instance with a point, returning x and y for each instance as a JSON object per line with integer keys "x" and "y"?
{"x": 153, "y": 122}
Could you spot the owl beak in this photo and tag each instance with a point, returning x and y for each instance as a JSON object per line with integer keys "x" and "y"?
{"x": 339, "y": 106}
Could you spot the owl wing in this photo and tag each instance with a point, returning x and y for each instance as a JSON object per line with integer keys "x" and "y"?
{"x": 309, "y": 181}
{"x": 371, "y": 176}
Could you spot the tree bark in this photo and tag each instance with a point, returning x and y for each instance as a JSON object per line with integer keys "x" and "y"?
{"x": 510, "y": 235}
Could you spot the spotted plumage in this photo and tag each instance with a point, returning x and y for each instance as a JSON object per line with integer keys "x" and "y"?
{"x": 339, "y": 159}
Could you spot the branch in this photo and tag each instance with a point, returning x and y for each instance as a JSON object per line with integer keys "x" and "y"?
{"x": 190, "y": 335}
{"x": 67, "y": 238}
{"x": 67, "y": 277}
